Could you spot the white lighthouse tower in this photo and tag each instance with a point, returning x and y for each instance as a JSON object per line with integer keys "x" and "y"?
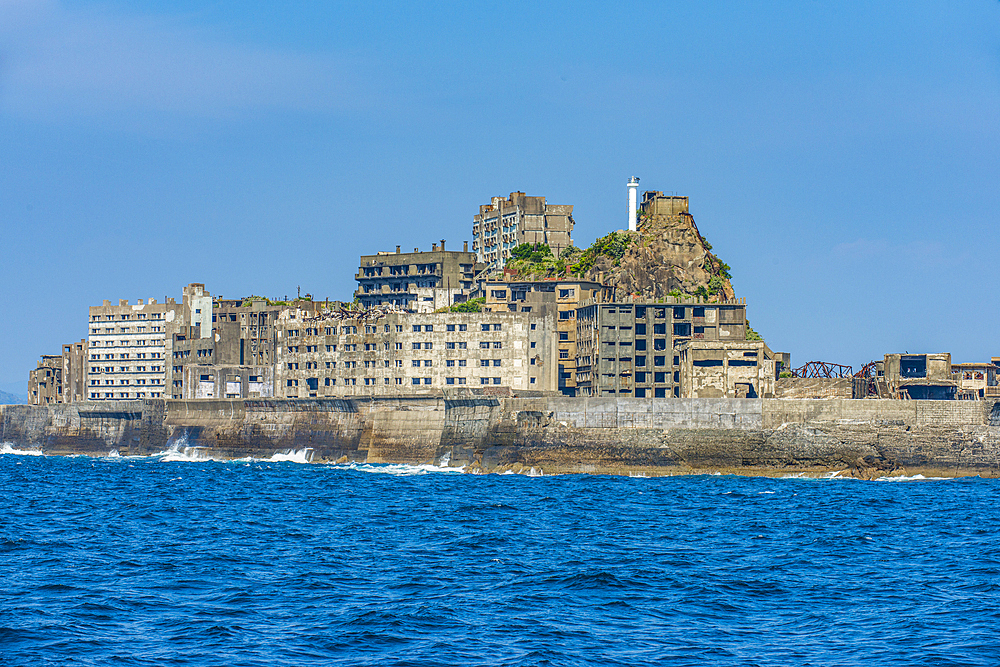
{"x": 633, "y": 200}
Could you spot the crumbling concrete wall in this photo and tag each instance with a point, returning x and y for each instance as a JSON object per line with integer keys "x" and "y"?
{"x": 812, "y": 388}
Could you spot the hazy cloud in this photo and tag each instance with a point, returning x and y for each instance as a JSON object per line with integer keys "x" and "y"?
{"x": 56, "y": 62}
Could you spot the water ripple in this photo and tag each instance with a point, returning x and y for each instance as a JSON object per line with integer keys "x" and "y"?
{"x": 140, "y": 561}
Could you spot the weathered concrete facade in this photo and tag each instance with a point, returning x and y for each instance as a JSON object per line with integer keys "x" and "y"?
{"x": 861, "y": 438}
{"x": 726, "y": 369}
{"x": 422, "y": 281}
{"x": 129, "y": 349}
{"x": 406, "y": 353}
{"x": 919, "y": 376}
{"x": 506, "y": 223}
{"x": 45, "y": 381}
{"x": 75, "y": 357}
{"x": 629, "y": 348}
{"x": 561, "y": 297}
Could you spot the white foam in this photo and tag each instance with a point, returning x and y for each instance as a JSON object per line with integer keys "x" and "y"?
{"x": 8, "y": 448}
{"x": 911, "y": 478}
{"x": 294, "y": 456}
{"x": 113, "y": 454}
{"x": 398, "y": 469}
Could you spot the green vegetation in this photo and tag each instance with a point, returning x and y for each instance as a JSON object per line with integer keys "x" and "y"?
{"x": 751, "y": 334}
{"x": 536, "y": 260}
{"x": 785, "y": 374}
{"x": 613, "y": 246}
{"x": 470, "y": 306}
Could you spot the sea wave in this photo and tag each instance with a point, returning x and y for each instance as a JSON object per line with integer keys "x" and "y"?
{"x": 397, "y": 469}
{"x": 8, "y": 448}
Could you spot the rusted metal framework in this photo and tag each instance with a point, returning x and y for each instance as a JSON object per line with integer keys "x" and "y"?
{"x": 867, "y": 371}
{"x": 868, "y": 374}
{"x": 822, "y": 369}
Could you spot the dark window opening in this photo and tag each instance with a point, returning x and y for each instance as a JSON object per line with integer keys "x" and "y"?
{"x": 703, "y": 363}
{"x": 742, "y": 362}
{"x": 698, "y": 312}
{"x": 682, "y": 329}
{"x": 679, "y": 313}
{"x": 913, "y": 366}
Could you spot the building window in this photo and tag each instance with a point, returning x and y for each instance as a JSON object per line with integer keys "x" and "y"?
{"x": 416, "y": 346}
{"x": 496, "y": 380}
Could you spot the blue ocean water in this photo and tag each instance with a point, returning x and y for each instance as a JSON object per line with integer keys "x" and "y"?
{"x": 124, "y": 561}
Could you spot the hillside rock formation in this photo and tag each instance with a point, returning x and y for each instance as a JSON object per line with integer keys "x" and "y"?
{"x": 667, "y": 255}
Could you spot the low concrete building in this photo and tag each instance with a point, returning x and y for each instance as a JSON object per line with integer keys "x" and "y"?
{"x": 630, "y": 348}
{"x": 421, "y": 281}
{"x": 405, "y": 353}
{"x": 919, "y": 376}
{"x": 506, "y": 223}
{"x": 209, "y": 381}
{"x": 974, "y": 378}
{"x": 45, "y": 381}
{"x": 561, "y": 297}
{"x": 726, "y": 369}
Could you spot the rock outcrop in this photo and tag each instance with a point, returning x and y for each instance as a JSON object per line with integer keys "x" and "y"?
{"x": 667, "y": 255}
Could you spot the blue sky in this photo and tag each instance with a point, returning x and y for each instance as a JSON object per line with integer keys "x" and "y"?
{"x": 843, "y": 157}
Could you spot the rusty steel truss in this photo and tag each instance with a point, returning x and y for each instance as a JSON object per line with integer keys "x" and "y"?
{"x": 822, "y": 369}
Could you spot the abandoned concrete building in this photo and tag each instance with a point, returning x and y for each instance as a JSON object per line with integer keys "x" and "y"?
{"x": 237, "y": 359}
{"x": 402, "y": 353}
{"x": 45, "y": 381}
{"x": 631, "y": 348}
{"x": 60, "y": 378}
{"x": 974, "y": 380}
{"x": 562, "y": 298}
{"x": 74, "y": 375}
{"x": 919, "y": 376}
{"x": 506, "y": 223}
{"x": 422, "y": 281}
{"x": 129, "y": 349}
{"x": 726, "y": 369}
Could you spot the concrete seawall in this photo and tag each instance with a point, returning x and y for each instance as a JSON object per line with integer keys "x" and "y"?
{"x": 862, "y": 438}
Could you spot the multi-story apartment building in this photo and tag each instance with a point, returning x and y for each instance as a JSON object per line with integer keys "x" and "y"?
{"x": 421, "y": 281}
{"x": 562, "y": 297}
{"x": 503, "y": 224}
{"x": 402, "y": 353}
{"x": 130, "y": 345}
{"x": 45, "y": 381}
{"x": 630, "y": 348}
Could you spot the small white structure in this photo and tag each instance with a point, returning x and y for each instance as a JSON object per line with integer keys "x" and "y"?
{"x": 633, "y": 200}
